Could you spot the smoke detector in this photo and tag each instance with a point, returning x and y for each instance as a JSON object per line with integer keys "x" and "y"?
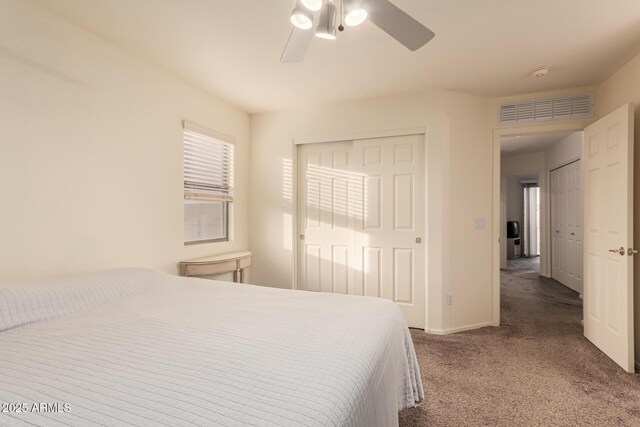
{"x": 540, "y": 72}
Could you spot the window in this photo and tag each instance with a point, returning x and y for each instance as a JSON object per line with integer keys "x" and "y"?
{"x": 208, "y": 185}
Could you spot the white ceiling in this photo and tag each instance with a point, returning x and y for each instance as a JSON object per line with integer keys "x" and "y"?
{"x": 232, "y": 48}
{"x": 525, "y": 144}
{"x": 525, "y": 177}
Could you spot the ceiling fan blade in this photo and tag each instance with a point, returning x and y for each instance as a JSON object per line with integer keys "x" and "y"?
{"x": 398, "y": 24}
{"x": 297, "y": 45}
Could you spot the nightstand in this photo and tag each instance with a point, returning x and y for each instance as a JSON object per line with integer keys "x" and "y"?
{"x": 234, "y": 262}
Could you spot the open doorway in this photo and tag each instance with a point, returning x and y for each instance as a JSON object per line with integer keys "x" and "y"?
{"x": 605, "y": 195}
{"x": 540, "y": 207}
{"x": 522, "y": 193}
{"x": 531, "y": 227}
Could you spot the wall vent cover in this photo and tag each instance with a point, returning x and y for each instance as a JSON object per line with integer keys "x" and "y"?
{"x": 558, "y": 108}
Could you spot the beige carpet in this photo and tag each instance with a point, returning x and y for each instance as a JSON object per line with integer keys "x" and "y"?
{"x": 535, "y": 370}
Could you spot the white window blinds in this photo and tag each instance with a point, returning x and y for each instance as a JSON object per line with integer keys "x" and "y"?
{"x": 208, "y": 165}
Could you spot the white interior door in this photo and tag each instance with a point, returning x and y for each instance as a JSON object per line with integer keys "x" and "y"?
{"x": 566, "y": 222}
{"x": 325, "y": 217}
{"x": 608, "y": 224}
{"x": 361, "y": 219}
{"x": 573, "y": 230}
{"x": 558, "y": 209}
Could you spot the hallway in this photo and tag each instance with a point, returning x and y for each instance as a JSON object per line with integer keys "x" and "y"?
{"x": 535, "y": 370}
{"x": 537, "y": 306}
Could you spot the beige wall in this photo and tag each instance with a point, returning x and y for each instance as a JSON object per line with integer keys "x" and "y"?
{"x": 459, "y": 160}
{"x": 91, "y": 154}
{"x": 515, "y": 200}
{"x": 623, "y": 87}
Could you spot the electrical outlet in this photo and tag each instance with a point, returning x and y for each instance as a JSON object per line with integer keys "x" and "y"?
{"x": 449, "y": 299}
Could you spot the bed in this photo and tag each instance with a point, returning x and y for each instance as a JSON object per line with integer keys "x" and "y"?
{"x": 141, "y": 347}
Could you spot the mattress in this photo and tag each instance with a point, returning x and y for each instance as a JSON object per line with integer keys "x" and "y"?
{"x": 140, "y": 347}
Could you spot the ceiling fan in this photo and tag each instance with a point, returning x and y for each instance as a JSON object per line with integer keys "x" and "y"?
{"x": 323, "y": 15}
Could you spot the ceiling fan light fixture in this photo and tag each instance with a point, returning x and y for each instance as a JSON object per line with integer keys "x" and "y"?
{"x": 312, "y": 5}
{"x": 355, "y": 17}
{"x": 327, "y": 27}
{"x": 301, "y": 17}
{"x": 383, "y": 13}
{"x": 354, "y": 13}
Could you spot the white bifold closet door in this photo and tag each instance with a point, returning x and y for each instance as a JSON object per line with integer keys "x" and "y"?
{"x": 566, "y": 226}
{"x": 361, "y": 220}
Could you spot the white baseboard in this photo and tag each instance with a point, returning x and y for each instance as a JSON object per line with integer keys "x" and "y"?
{"x": 458, "y": 329}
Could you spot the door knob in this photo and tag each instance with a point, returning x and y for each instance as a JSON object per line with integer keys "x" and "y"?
{"x": 302, "y": 237}
{"x": 418, "y": 239}
{"x": 573, "y": 234}
{"x": 632, "y": 251}
{"x": 620, "y": 250}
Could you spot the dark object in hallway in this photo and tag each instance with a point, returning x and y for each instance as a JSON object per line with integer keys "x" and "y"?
{"x": 513, "y": 229}
{"x": 535, "y": 370}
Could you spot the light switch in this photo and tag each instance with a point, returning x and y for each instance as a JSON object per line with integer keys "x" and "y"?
{"x": 480, "y": 223}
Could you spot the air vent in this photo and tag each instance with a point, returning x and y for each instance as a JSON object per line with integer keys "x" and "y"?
{"x": 558, "y": 108}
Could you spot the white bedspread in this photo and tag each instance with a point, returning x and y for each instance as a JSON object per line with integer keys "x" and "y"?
{"x": 138, "y": 347}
